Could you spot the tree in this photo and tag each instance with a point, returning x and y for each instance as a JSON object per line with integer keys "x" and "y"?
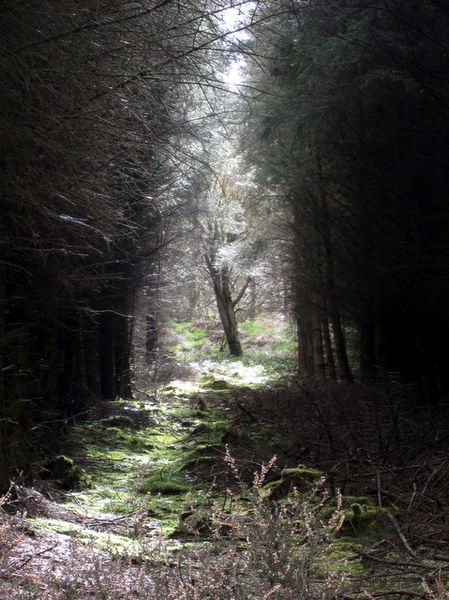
{"x": 349, "y": 119}
{"x": 93, "y": 102}
{"x": 222, "y": 225}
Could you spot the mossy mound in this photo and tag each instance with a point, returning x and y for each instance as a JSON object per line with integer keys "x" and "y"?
{"x": 217, "y": 385}
{"x": 301, "y": 478}
{"x": 164, "y": 484}
{"x": 200, "y": 463}
{"x": 215, "y": 449}
{"x": 200, "y": 523}
{"x": 194, "y": 524}
{"x": 302, "y": 473}
{"x": 365, "y": 520}
{"x": 65, "y": 473}
{"x": 211, "y": 432}
{"x": 122, "y": 421}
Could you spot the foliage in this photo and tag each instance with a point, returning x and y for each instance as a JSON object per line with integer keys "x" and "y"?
{"x": 93, "y": 103}
{"x": 347, "y": 126}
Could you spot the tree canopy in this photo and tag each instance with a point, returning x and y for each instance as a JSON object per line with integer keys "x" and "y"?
{"x": 349, "y": 120}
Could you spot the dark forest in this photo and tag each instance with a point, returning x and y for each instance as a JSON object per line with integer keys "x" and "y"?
{"x": 224, "y": 250}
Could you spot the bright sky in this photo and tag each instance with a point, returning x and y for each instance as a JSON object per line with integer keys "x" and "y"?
{"x": 232, "y": 18}
{"x": 233, "y": 76}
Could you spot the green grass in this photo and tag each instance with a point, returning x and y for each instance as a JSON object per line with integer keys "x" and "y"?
{"x": 283, "y": 346}
{"x": 256, "y": 327}
{"x": 269, "y": 346}
{"x": 192, "y": 336}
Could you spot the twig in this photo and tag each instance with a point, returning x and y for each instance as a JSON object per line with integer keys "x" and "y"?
{"x": 441, "y": 557}
{"x": 396, "y": 563}
{"x": 31, "y": 557}
{"x": 413, "y": 496}
{"x": 250, "y": 414}
{"x": 401, "y": 535}
{"x": 407, "y": 593}
{"x": 144, "y": 393}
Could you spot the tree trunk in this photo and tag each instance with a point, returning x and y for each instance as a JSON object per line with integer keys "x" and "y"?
{"x": 151, "y": 337}
{"x": 91, "y": 363}
{"x": 344, "y": 370}
{"x": 306, "y": 365}
{"x": 227, "y": 316}
{"x": 317, "y": 341}
{"x": 226, "y": 307}
{"x": 107, "y": 356}
{"x": 122, "y": 356}
{"x": 330, "y": 361}
{"x": 367, "y": 348}
{"x": 252, "y": 299}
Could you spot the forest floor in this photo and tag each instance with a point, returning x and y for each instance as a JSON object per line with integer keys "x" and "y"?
{"x": 226, "y": 478}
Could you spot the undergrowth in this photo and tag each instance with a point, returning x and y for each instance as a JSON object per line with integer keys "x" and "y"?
{"x": 259, "y": 551}
{"x": 269, "y": 349}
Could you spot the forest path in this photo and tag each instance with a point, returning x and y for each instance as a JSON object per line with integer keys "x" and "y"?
{"x": 141, "y": 463}
{"x": 174, "y": 482}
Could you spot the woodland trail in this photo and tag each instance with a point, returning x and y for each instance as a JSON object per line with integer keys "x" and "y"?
{"x": 167, "y": 485}
{"x": 139, "y": 463}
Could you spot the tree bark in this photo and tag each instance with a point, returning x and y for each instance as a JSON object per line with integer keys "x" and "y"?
{"x": 252, "y": 300}
{"x": 344, "y": 370}
{"x": 226, "y": 306}
{"x": 151, "y": 336}
{"x": 306, "y": 366}
{"x": 107, "y": 356}
{"x": 317, "y": 341}
{"x": 367, "y": 347}
{"x": 330, "y": 361}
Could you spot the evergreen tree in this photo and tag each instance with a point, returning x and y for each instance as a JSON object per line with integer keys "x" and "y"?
{"x": 350, "y": 121}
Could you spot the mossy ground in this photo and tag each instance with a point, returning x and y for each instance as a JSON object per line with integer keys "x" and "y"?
{"x": 163, "y": 453}
{"x": 162, "y": 456}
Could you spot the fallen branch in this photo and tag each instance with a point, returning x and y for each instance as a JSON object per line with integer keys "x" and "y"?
{"x": 401, "y": 535}
{"x": 395, "y": 563}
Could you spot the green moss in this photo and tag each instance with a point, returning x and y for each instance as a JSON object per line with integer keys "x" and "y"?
{"x": 194, "y": 524}
{"x": 300, "y": 478}
{"x": 163, "y": 483}
{"x": 214, "y": 449}
{"x": 256, "y": 327}
{"x": 217, "y": 385}
{"x": 301, "y": 473}
{"x": 192, "y": 337}
{"x": 199, "y": 462}
{"x": 210, "y": 433}
{"x": 283, "y": 346}
{"x": 339, "y": 558}
{"x": 118, "y": 421}
{"x": 366, "y": 520}
{"x": 104, "y": 540}
{"x": 65, "y": 473}
{"x": 265, "y": 434}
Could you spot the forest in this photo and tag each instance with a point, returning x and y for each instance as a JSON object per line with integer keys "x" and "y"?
{"x": 224, "y": 284}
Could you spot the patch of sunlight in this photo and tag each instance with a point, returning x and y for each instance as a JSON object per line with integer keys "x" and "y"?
{"x": 102, "y": 499}
{"x": 235, "y": 371}
{"x": 103, "y": 540}
{"x": 179, "y": 387}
